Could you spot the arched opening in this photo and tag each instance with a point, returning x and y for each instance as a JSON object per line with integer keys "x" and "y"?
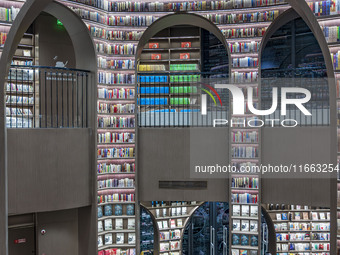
{"x": 291, "y": 57}
{"x": 177, "y": 67}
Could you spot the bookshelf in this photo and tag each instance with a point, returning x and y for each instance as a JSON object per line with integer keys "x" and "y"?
{"x": 171, "y": 218}
{"x": 301, "y": 229}
{"x": 21, "y": 89}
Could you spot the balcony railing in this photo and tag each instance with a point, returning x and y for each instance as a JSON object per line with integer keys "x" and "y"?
{"x": 47, "y": 97}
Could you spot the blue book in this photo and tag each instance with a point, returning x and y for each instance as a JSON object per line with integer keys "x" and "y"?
{"x": 118, "y": 210}
{"x": 130, "y": 209}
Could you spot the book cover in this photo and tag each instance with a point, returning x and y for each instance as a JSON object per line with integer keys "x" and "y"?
{"x": 245, "y": 210}
{"x": 100, "y": 226}
{"x": 184, "y": 55}
{"x": 185, "y": 44}
{"x": 254, "y": 211}
{"x": 119, "y": 224}
{"x": 118, "y": 210}
{"x": 120, "y": 238}
{"x": 236, "y": 225}
{"x": 131, "y": 224}
{"x": 130, "y": 209}
{"x": 245, "y": 240}
{"x": 108, "y": 210}
{"x": 245, "y": 225}
{"x": 153, "y": 45}
{"x": 253, "y": 226}
{"x": 236, "y": 210}
{"x": 100, "y": 212}
{"x": 156, "y": 56}
{"x": 131, "y": 238}
{"x": 108, "y": 239}
{"x": 108, "y": 224}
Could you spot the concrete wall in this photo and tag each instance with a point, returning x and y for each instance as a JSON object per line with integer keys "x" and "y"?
{"x": 169, "y": 154}
{"x": 49, "y": 169}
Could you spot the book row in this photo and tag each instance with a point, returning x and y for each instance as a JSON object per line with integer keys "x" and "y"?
{"x": 183, "y": 67}
{"x": 18, "y": 112}
{"x": 116, "y": 64}
{"x": 314, "y": 216}
{"x": 244, "y": 77}
{"x": 303, "y": 237}
{"x": 171, "y": 203}
{"x": 245, "y": 211}
{"x": 110, "y": 137}
{"x": 165, "y": 90}
{"x": 332, "y": 34}
{"x": 245, "y": 225}
{"x": 173, "y": 223}
{"x": 244, "y": 152}
{"x": 19, "y": 100}
{"x": 108, "y": 168}
{"x": 245, "y": 182}
{"x": 22, "y": 62}
{"x": 293, "y": 247}
{"x": 170, "y": 235}
{"x": 323, "y": 8}
{"x": 116, "y": 183}
{"x": 244, "y": 198}
{"x": 108, "y": 239}
{"x": 116, "y": 210}
{"x": 153, "y": 79}
{"x": 117, "y": 251}
{"x": 115, "y": 108}
{"x": 19, "y": 122}
{"x": 8, "y": 14}
{"x": 244, "y": 240}
{"x": 114, "y": 35}
{"x": 245, "y": 136}
{"x": 185, "y": 78}
{"x": 244, "y": 32}
{"x": 173, "y": 245}
{"x": 108, "y": 153}
{"x": 244, "y": 47}
{"x": 243, "y": 252}
{"x": 116, "y": 224}
{"x": 122, "y": 93}
{"x": 116, "y": 197}
{"x": 174, "y": 211}
{"x": 300, "y": 226}
{"x": 116, "y": 122}
{"x": 169, "y": 6}
{"x": 148, "y": 68}
{"x": 115, "y": 78}
{"x": 245, "y": 62}
{"x": 234, "y": 18}
{"x": 116, "y": 49}
{"x": 115, "y": 20}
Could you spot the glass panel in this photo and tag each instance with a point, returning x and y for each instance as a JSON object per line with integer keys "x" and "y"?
{"x": 146, "y": 232}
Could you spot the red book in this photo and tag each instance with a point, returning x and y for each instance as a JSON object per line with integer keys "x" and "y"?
{"x": 153, "y": 45}
{"x": 184, "y": 55}
{"x": 156, "y": 56}
{"x": 186, "y": 44}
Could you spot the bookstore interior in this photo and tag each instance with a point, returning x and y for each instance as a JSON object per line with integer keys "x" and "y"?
{"x": 110, "y": 103}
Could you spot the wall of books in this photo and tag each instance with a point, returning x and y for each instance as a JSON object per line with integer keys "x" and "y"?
{"x": 116, "y": 27}
{"x": 301, "y": 229}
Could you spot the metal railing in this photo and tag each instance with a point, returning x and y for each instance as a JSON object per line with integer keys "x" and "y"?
{"x": 47, "y": 97}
